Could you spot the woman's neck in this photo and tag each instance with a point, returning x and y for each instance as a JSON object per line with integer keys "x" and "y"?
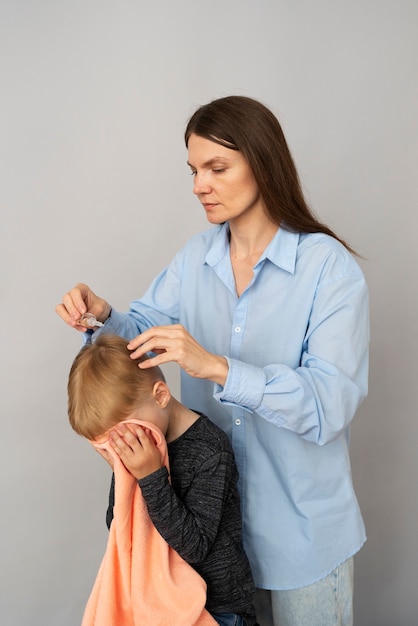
{"x": 247, "y": 244}
{"x": 249, "y": 240}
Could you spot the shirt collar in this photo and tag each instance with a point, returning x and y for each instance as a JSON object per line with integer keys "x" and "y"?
{"x": 281, "y": 251}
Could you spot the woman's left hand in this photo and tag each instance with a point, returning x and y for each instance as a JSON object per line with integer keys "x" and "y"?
{"x": 174, "y": 343}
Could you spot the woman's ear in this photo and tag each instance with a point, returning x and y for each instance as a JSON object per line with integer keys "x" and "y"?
{"x": 161, "y": 393}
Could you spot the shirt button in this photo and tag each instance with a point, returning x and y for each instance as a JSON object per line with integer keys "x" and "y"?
{"x": 238, "y": 421}
{"x": 237, "y": 329}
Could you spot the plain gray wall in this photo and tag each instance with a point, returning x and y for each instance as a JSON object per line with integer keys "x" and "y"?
{"x": 94, "y": 188}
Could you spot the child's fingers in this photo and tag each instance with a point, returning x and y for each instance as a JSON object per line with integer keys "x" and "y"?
{"x": 119, "y": 443}
{"x": 134, "y": 438}
{"x": 146, "y": 438}
{"x": 125, "y": 441}
{"x": 141, "y": 434}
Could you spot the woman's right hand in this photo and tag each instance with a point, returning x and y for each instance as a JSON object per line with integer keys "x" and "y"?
{"x": 79, "y": 300}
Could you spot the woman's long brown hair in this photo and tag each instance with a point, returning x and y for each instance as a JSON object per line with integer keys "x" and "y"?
{"x": 244, "y": 124}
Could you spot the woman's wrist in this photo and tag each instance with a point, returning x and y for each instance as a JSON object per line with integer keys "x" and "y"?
{"x": 220, "y": 373}
{"x": 107, "y": 313}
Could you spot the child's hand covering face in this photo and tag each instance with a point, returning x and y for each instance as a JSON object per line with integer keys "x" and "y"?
{"x": 136, "y": 448}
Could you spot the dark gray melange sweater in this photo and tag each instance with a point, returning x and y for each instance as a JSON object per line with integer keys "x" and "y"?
{"x": 198, "y": 514}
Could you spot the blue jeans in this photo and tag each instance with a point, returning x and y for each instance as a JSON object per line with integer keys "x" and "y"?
{"x": 228, "y": 619}
{"x": 329, "y": 602}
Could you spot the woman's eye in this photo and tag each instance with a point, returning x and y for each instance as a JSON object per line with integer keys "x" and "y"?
{"x": 218, "y": 170}
{"x": 192, "y": 173}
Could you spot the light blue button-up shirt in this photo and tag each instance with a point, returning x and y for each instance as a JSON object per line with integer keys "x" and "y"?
{"x": 296, "y": 342}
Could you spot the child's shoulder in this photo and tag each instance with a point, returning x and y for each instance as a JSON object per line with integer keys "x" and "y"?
{"x": 205, "y": 436}
{"x": 213, "y": 430}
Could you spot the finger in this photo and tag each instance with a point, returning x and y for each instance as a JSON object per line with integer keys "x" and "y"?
{"x": 68, "y": 312}
{"x": 160, "y": 359}
{"x": 132, "y": 437}
{"x": 139, "y": 349}
{"x": 82, "y": 297}
{"x": 119, "y": 444}
{"x": 156, "y": 334}
{"x": 138, "y": 431}
{"x": 144, "y": 436}
{"x": 75, "y": 307}
{"x": 125, "y": 439}
{"x": 158, "y": 345}
{"x": 137, "y": 341}
{"x": 62, "y": 311}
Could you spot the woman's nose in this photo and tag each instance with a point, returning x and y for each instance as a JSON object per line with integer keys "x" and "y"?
{"x": 200, "y": 184}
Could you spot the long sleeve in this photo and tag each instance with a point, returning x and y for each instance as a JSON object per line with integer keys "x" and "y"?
{"x": 317, "y": 399}
{"x": 190, "y": 526}
{"x": 297, "y": 343}
{"x": 197, "y": 511}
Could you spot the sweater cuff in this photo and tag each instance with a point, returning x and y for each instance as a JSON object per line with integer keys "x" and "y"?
{"x": 149, "y": 483}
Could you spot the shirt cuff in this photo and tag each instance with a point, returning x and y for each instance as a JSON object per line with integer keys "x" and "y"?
{"x": 244, "y": 386}
{"x": 113, "y": 324}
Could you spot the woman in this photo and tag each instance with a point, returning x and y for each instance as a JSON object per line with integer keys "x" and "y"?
{"x": 266, "y": 313}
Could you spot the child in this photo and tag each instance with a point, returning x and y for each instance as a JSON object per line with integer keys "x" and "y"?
{"x": 196, "y": 508}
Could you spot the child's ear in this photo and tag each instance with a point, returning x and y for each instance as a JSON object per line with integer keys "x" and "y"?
{"x": 161, "y": 393}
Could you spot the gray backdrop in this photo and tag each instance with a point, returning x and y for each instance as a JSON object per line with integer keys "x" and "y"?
{"x": 94, "y": 187}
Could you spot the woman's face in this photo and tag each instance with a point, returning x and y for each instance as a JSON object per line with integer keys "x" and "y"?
{"x": 223, "y": 181}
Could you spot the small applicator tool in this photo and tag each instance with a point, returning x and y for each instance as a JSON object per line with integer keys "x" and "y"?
{"x": 89, "y": 321}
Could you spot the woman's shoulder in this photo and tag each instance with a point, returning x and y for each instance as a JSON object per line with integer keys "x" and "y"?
{"x": 329, "y": 253}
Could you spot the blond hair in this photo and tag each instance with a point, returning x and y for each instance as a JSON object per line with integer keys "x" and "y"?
{"x": 105, "y": 386}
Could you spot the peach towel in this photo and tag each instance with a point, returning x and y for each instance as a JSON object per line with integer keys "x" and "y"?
{"x": 142, "y": 581}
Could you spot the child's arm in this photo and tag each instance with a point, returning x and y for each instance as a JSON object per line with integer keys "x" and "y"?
{"x": 190, "y": 525}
